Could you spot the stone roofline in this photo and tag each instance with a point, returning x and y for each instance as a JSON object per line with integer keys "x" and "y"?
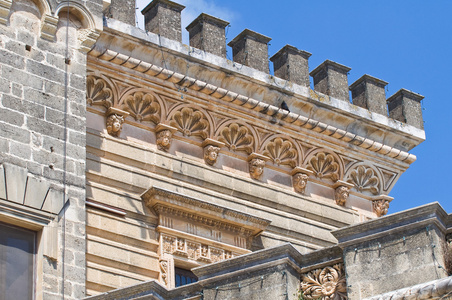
{"x": 398, "y": 137}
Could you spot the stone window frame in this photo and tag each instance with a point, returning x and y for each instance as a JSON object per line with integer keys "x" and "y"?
{"x": 28, "y": 202}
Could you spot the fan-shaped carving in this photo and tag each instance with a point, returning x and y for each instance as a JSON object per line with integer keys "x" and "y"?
{"x": 142, "y": 106}
{"x": 98, "y": 92}
{"x": 190, "y": 122}
{"x": 365, "y": 179}
{"x": 327, "y": 283}
{"x": 282, "y": 152}
{"x": 237, "y": 138}
{"x": 324, "y": 165}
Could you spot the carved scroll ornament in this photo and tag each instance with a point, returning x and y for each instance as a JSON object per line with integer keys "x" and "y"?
{"x": 325, "y": 283}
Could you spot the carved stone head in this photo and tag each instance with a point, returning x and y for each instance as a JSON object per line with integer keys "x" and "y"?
{"x": 114, "y": 124}
{"x": 256, "y": 167}
{"x": 211, "y": 154}
{"x": 300, "y": 181}
{"x": 164, "y": 139}
{"x": 380, "y": 207}
{"x": 341, "y": 195}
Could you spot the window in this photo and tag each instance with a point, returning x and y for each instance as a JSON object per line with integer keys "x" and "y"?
{"x": 17, "y": 249}
{"x": 184, "y": 277}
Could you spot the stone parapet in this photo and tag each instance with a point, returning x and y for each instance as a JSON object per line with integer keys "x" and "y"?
{"x": 250, "y": 48}
{"x": 208, "y": 33}
{"x": 163, "y": 18}
{"x": 291, "y": 64}
{"x": 331, "y": 78}
{"x": 405, "y": 106}
{"x": 401, "y": 249}
{"x": 369, "y": 92}
{"x": 122, "y": 10}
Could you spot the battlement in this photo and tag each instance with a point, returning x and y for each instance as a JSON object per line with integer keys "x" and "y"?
{"x": 250, "y": 49}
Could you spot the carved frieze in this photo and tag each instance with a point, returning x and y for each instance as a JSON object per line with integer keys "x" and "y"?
{"x": 142, "y": 106}
{"x": 324, "y": 283}
{"x": 98, "y": 92}
{"x": 184, "y": 247}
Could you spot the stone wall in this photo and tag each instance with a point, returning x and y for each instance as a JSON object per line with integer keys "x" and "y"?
{"x": 42, "y": 129}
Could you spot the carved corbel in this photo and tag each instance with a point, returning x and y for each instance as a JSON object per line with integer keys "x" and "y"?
{"x": 115, "y": 119}
{"x": 49, "y": 27}
{"x": 164, "y": 135}
{"x": 87, "y": 38}
{"x": 5, "y": 7}
{"x": 211, "y": 150}
{"x": 380, "y": 206}
{"x": 341, "y": 192}
{"x": 300, "y": 178}
{"x": 256, "y": 164}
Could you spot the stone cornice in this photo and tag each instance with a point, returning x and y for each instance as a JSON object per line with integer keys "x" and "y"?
{"x": 107, "y": 53}
{"x": 158, "y": 198}
{"x": 423, "y": 216}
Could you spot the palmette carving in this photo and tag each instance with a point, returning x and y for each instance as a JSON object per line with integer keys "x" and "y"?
{"x": 380, "y": 207}
{"x": 325, "y": 283}
{"x": 98, "y": 92}
{"x": 324, "y": 166}
{"x": 365, "y": 179}
{"x": 190, "y": 122}
{"x": 237, "y": 138}
{"x": 281, "y": 152}
{"x": 143, "y": 107}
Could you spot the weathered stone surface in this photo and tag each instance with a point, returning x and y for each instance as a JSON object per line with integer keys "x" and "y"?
{"x": 369, "y": 92}
{"x": 163, "y": 18}
{"x": 331, "y": 78}
{"x": 291, "y": 64}
{"x": 405, "y": 106}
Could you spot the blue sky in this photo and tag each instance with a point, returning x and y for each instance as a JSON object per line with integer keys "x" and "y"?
{"x": 406, "y": 43}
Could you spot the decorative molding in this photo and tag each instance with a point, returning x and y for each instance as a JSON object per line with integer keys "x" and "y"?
{"x": 252, "y": 104}
{"x": 5, "y": 8}
{"x": 49, "y": 27}
{"x": 237, "y": 137}
{"x": 324, "y": 283}
{"x": 200, "y": 252}
{"x": 324, "y": 166}
{"x": 142, "y": 105}
{"x": 98, "y": 92}
{"x": 190, "y": 122}
{"x": 184, "y": 204}
{"x": 365, "y": 179}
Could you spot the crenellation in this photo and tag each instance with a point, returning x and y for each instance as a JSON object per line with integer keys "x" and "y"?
{"x": 250, "y": 48}
{"x": 369, "y": 92}
{"x": 405, "y": 106}
{"x": 291, "y": 64}
{"x": 163, "y": 17}
{"x": 208, "y": 33}
{"x": 331, "y": 78}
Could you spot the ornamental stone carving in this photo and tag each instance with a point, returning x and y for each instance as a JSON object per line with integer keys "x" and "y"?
{"x": 381, "y": 206}
{"x": 341, "y": 192}
{"x": 190, "y": 122}
{"x": 364, "y": 179}
{"x": 164, "y": 136}
{"x": 98, "y": 92}
{"x": 115, "y": 119}
{"x": 256, "y": 164}
{"x": 142, "y": 106}
{"x": 164, "y": 265}
{"x": 114, "y": 124}
{"x": 300, "y": 178}
{"x": 281, "y": 152}
{"x": 211, "y": 154}
{"x": 324, "y": 165}
{"x": 325, "y": 283}
{"x": 237, "y": 137}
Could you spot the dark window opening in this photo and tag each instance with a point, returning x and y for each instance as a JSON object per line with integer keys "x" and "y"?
{"x": 184, "y": 277}
{"x": 17, "y": 249}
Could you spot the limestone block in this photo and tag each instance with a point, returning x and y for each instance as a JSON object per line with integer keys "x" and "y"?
{"x": 16, "y": 180}
{"x": 36, "y": 192}
{"x": 54, "y": 201}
